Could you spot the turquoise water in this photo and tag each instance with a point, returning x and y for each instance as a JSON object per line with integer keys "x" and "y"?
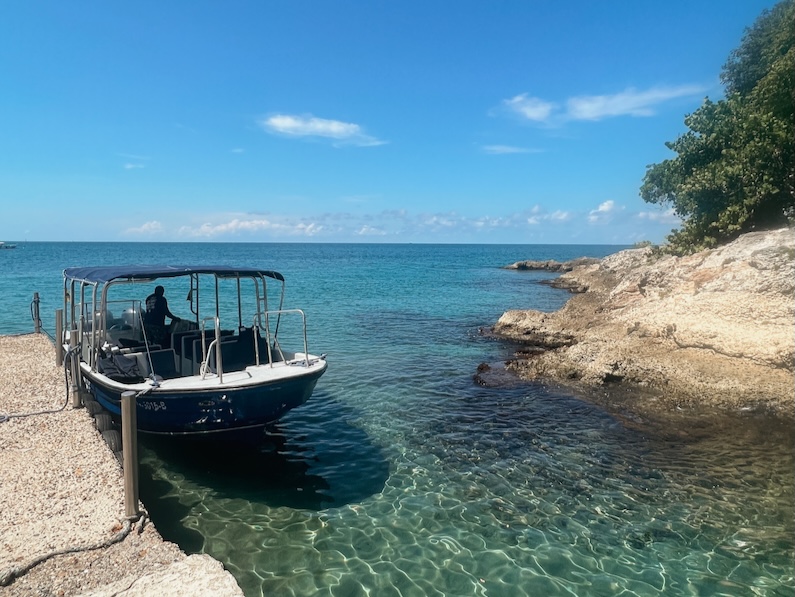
{"x": 403, "y": 477}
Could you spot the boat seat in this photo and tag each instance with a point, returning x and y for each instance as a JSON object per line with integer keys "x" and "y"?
{"x": 181, "y": 342}
{"x": 196, "y": 353}
{"x": 177, "y": 339}
{"x": 190, "y": 354}
{"x": 163, "y": 363}
{"x": 238, "y": 352}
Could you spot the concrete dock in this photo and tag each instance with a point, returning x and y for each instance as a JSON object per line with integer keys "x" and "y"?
{"x": 63, "y": 529}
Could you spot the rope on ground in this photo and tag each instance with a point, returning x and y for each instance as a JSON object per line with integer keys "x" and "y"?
{"x": 67, "y": 356}
{"x": 8, "y": 576}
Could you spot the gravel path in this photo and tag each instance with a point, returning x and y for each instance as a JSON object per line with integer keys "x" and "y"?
{"x": 61, "y": 489}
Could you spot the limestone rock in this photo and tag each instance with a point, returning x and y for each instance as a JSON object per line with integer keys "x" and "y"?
{"x": 201, "y": 569}
{"x": 717, "y": 327}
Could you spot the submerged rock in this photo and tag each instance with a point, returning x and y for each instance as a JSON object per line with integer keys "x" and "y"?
{"x": 714, "y": 328}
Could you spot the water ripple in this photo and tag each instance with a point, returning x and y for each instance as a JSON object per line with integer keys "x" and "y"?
{"x": 403, "y": 477}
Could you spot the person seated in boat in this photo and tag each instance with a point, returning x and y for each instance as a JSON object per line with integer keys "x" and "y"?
{"x": 155, "y": 318}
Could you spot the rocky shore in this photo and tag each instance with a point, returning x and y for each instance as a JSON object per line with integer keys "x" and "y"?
{"x": 62, "y": 524}
{"x": 715, "y": 329}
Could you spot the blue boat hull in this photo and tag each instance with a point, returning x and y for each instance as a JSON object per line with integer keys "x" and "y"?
{"x": 223, "y": 413}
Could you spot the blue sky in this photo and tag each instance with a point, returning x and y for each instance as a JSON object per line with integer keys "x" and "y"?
{"x": 354, "y": 121}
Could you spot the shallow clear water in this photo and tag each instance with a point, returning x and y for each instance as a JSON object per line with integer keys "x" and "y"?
{"x": 403, "y": 477}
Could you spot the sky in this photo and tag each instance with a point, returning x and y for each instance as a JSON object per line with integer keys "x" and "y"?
{"x": 373, "y": 121}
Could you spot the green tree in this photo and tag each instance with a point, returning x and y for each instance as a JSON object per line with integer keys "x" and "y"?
{"x": 734, "y": 169}
{"x": 764, "y": 43}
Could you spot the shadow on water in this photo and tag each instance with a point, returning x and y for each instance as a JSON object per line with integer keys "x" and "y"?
{"x": 267, "y": 472}
{"x": 167, "y": 511}
{"x": 312, "y": 459}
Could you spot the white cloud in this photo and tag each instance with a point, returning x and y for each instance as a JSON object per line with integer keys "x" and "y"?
{"x": 147, "y": 228}
{"x": 367, "y": 230}
{"x": 560, "y": 216}
{"x": 667, "y": 216}
{"x": 310, "y": 229}
{"x": 244, "y": 225}
{"x": 440, "y": 221}
{"x": 606, "y": 206}
{"x": 134, "y": 162}
{"x": 608, "y": 220}
{"x": 539, "y": 216}
{"x": 630, "y": 102}
{"x": 604, "y": 213}
{"x": 311, "y": 126}
{"x": 488, "y": 223}
{"x": 344, "y": 133}
{"x": 531, "y": 108}
{"x": 507, "y": 149}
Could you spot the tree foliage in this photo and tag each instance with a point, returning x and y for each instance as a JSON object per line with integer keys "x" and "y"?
{"x": 734, "y": 169}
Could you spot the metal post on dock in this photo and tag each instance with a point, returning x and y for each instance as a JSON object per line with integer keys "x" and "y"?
{"x": 77, "y": 386}
{"x": 59, "y": 337}
{"x": 35, "y": 313}
{"x": 129, "y": 443}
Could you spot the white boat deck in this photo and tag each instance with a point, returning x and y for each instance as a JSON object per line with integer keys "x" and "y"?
{"x": 254, "y": 375}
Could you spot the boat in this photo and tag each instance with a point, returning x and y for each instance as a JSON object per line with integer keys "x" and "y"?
{"x": 228, "y": 369}
{"x": 4, "y": 245}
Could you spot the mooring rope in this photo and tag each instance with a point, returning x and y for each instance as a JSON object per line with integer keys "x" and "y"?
{"x": 8, "y": 576}
{"x": 34, "y": 316}
{"x": 67, "y": 356}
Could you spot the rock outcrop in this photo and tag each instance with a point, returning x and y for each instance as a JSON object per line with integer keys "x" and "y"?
{"x": 551, "y": 265}
{"x": 716, "y": 328}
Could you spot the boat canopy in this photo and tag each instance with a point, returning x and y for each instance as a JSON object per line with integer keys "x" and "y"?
{"x": 102, "y": 275}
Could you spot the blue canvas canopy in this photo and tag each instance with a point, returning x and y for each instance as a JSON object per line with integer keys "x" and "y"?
{"x": 102, "y": 275}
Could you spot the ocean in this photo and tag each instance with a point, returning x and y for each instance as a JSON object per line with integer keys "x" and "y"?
{"x": 402, "y": 476}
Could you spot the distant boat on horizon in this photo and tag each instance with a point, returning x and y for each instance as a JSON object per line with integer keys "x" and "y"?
{"x": 4, "y": 245}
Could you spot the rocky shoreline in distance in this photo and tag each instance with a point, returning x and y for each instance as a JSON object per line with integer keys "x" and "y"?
{"x": 715, "y": 329}
{"x": 551, "y": 265}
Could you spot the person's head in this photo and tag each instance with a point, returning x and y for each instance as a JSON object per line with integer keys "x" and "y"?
{"x": 159, "y": 291}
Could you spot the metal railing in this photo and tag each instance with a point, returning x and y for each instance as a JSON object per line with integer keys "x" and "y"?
{"x": 214, "y": 345}
{"x": 274, "y": 343}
